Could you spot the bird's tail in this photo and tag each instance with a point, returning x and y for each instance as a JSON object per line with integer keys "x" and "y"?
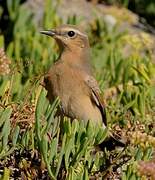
{"x": 112, "y": 142}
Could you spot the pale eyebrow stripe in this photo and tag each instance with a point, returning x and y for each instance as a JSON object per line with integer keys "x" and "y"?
{"x": 79, "y": 32}
{"x": 76, "y": 31}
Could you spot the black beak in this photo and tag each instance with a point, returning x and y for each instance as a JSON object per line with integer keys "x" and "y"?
{"x": 48, "y": 32}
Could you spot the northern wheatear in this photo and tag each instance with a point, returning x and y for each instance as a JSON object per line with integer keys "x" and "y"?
{"x": 70, "y": 78}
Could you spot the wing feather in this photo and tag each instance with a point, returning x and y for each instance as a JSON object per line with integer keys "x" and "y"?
{"x": 96, "y": 96}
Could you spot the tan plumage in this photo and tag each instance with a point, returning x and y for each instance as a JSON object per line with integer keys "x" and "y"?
{"x": 79, "y": 99}
{"x": 71, "y": 79}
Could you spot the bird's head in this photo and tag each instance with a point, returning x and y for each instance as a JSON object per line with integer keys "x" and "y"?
{"x": 69, "y": 37}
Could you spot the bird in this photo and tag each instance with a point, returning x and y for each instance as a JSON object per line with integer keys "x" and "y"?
{"x": 71, "y": 79}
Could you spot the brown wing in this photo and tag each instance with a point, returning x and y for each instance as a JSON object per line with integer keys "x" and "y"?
{"x": 96, "y": 96}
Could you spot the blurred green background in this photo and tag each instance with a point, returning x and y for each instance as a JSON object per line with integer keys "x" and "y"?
{"x": 122, "y": 50}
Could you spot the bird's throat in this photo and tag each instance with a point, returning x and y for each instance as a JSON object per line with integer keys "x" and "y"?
{"x": 79, "y": 59}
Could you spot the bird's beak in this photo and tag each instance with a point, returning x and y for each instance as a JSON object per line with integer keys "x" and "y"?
{"x": 48, "y": 32}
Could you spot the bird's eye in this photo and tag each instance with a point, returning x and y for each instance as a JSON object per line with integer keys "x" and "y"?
{"x": 71, "y": 33}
